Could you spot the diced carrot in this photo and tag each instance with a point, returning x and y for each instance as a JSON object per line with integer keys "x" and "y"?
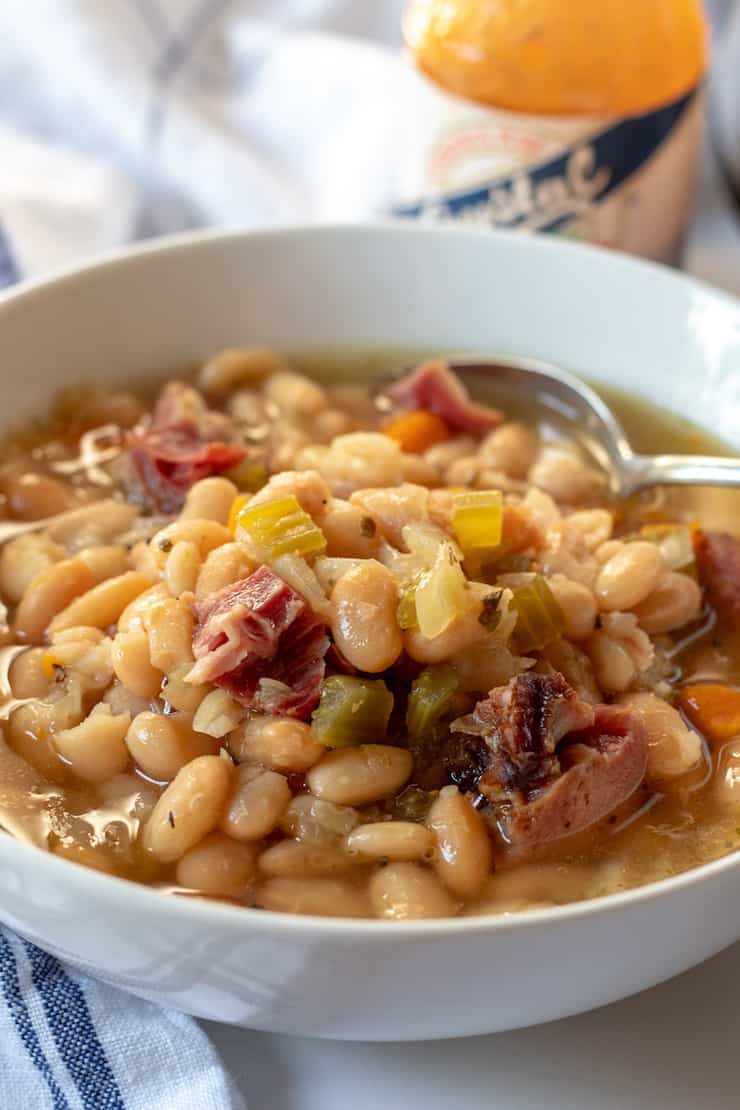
{"x": 519, "y": 530}
{"x": 657, "y": 531}
{"x": 237, "y": 505}
{"x": 417, "y": 430}
{"x": 713, "y": 708}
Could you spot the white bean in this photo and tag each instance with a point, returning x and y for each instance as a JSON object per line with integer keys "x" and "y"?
{"x": 209, "y": 499}
{"x": 217, "y": 714}
{"x": 95, "y": 749}
{"x": 577, "y": 604}
{"x": 162, "y": 746}
{"x": 391, "y": 840}
{"x": 258, "y": 800}
{"x": 222, "y": 566}
{"x": 218, "y": 866}
{"x": 629, "y": 576}
{"x": 189, "y": 808}
{"x": 181, "y": 694}
{"x": 48, "y": 594}
{"x": 102, "y": 605}
{"x": 293, "y": 859}
{"x": 294, "y": 394}
{"x": 364, "y": 623}
{"x": 674, "y": 602}
{"x": 235, "y": 366}
{"x": 560, "y": 472}
{"x": 30, "y": 675}
{"x": 512, "y": 448}
{"x": 105, "y": 560}
{"x": 131, "y": 663}
{"x": 464, "y": 857}
{"x": 408, "y": 891}
{"x": 182, "y": 568}
{"x": 169, "y": 626}
{"x": 280, "y": 743}
{"x": 356, "y": 776}
{"x": 673, "y": 749}
{"x": 22, "y": 559}
{"x": 324, "y": 897}
{"x": 613, "y": 665}
{"x": 205, "y": 534}
{"x": 349, "y": 532}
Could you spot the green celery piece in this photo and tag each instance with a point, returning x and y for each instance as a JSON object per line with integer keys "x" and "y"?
{"x": 352, "y": 711}
{"x": 282, "y": 527}
{"x": 539, "y": 617}
{"x": 248, "y": 475}
{"x": 430, "y": 696}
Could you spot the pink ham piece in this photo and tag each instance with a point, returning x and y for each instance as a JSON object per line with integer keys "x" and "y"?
{"x": 718, "y": 563}
{"x": 185, "y": 442}
{"x": 259, "y": 640}
{"x": 434, "y": 387}
{"x": 550, "y": 764}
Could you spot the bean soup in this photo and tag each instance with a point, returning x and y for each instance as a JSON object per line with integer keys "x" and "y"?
{"x": 303, "y": 635}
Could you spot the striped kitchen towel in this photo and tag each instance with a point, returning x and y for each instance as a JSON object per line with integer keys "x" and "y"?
{"x": 71, "y": 1043}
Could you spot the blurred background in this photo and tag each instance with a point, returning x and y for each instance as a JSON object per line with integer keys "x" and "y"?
{"x": 125, "y": 119}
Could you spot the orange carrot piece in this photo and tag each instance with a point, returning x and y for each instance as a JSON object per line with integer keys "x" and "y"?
{"x": 417, "y": 430}
{"x": 713, "y": 708}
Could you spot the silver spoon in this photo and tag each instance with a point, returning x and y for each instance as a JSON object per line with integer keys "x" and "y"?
{"x": 578, "y": 404}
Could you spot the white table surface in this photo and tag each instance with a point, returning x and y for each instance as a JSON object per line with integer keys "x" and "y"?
{"x": 675, "y": 1047}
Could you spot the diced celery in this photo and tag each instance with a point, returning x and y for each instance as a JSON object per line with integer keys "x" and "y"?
{"x": 430, "y": 697}
{"x": 477, "y": 517}
{"x": 249, "y": 475}
{"x": 281, "y": 527}
{"x": 406, "y": 611}
{"x": 539, "y": 617}
{"x": 352, "y": 711}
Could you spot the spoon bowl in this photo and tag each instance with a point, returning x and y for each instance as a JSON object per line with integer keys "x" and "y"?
{"x": 580, "y": 406}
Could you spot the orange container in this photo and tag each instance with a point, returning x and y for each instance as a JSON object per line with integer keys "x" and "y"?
{"x": 568, "y": 116}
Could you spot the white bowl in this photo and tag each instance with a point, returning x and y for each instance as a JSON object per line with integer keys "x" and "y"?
{"x": 156, "y": 308}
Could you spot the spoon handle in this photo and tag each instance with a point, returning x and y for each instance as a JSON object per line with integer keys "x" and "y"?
{"x": 642, "y": 471}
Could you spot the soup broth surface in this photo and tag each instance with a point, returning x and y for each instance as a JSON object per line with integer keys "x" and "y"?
{"x": 72, "y": 461}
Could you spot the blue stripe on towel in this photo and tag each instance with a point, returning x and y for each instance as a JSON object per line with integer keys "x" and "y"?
{"x": 11, "y": 991}
{"x": 9, "y": 272}
{"x": 74, "y": 1033}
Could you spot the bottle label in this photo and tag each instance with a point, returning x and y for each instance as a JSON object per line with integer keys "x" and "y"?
{"x": 625, "y": 183}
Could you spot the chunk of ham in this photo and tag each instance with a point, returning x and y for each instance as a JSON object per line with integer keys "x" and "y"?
{"x": 434, "y": 387}
{"x": 186, "y": 441}
{"x": 550, "y": 764}
{"x": 718, "y": 564}
{"x": 259, "y": 640}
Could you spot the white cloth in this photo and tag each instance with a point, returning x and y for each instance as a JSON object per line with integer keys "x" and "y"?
{"x": 70, "y": 1043}
{"x": 121, "y": 119}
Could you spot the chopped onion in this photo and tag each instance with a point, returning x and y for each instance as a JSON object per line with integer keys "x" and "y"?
{"x": 299, "y": 575}
{"x": 442, "y": 593}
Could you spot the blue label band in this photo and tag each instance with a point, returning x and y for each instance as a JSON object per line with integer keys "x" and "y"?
{"x": 550, "y": 193}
